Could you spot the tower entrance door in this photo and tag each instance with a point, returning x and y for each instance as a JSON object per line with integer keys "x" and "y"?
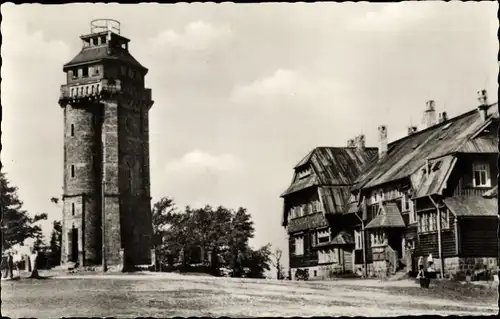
{"x": 74, "y": 244}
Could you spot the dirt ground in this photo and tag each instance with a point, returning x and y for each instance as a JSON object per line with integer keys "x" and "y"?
{"x": 168, "y": 295}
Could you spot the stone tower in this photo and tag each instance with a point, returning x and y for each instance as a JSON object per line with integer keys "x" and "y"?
{"x": 106, "y": 200}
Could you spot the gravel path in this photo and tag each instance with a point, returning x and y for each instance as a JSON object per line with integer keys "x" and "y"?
{"x": 167, "y": 295}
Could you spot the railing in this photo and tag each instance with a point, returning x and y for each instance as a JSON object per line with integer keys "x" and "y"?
{"x": 96, "y": 88}
{"x": 90, "y": 89}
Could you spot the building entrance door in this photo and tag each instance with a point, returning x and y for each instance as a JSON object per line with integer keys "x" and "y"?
{"x": 74, "y": 244}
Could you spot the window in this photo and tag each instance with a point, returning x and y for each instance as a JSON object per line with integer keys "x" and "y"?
{"x": 72, "y": 129}
{"x": 96, "y": 70}
{"x": 75, "y": 73}
{"x": 481, "y": 176}
{"x": 95, "y": 41}
{"x": 85, "y": 72}
{"x": 378, "y": 237}
{"x": 299, "y": 246}
{"x": 323, "y": 236}
{"x": 73, "y": 209}
{"x": 445, "y": 219}
{"x": 306, "y": 209}
{"x": 315, "y": 273}
{"x": 405, "y": 202}
{"x": 97, "y": 88}
{"x": 103, "y": 39}
{"x": 72, "y": 170}
{"x": 358, "y": 240}
{"x": 123, "y": 70}
{"x": 427, "y": 222}
{"x": 413, "y": 214}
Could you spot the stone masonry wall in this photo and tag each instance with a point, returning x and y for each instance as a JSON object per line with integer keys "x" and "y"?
{"x": 113, "y": 232}
{"x": 464, "y": 266}
{"x": 81, "y": 179}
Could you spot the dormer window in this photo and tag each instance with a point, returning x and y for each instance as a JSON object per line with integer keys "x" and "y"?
{"x": 481, "y": 175}
{"x": 304, "y": 173}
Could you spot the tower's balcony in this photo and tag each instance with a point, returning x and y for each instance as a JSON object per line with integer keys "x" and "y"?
{"x": 90, "y": 90}
{"x": 72, "y": 93}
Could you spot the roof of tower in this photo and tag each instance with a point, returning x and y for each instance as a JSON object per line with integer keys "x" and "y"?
{"x": 99, "y": 53}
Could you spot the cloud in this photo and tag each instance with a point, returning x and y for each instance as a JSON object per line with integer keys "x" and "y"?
{"x": 201, "y": 160}
{"x": 391, "y": 16}
{"x": 290, "y": 86}
{"x": 197, "y": 36}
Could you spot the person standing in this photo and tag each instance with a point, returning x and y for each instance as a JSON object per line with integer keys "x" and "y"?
{"x": 10, "y": 265}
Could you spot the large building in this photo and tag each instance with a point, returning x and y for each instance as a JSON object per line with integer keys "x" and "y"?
{"x": 106, "y": 200}
{"x": 433, "y": 192}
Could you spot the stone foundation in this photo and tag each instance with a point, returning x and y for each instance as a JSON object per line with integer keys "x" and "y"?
{"x": 321, "y": 272}
{"x": 380, "y": 269}
{"x": 465, "y": 266}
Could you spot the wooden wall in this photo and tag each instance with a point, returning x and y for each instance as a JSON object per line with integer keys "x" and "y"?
{"x": 478, "y": 237}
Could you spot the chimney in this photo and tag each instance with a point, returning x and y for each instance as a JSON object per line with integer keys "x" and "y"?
{"x": 351, "y": 143}
{"x": 382, "y": 148}
{"x": 482, "y": 96}
{"x": 411, "y": 130}
{"x": 430, "y": 113}
{"x": 360, "y": 142}
{"x": 443, "y": 117}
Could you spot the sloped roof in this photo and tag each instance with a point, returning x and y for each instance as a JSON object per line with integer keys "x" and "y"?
{"x": 492, "y": 192}
{"x": 407, "y": 155}
{"x": 333, "y": 166}
{"x": 435, "y": 181}
{"x": 389, "y": 217}
{"x": 94, "y": 54}
{"x": 335, "y": 198}
{"x": 300, "y": 184}
{"x": 343, "y": 238}
{"x": 472, "y": 206}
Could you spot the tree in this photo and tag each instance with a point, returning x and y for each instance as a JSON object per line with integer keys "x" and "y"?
{"x": 55, "y": 242}
{"x": 257, "y": 262}
{"x": 241, "y": 231}
{"x": 163, "y": 217}
{"x": 16, "y": 224}
{"x": 276, "y": 262}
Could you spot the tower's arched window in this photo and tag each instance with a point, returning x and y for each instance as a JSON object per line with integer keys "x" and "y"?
{"x": 87, "y": 90}
{"x": 81, "y": 91}
{"x": 72, "y": 92}
{"x": 97, "y": 88}
{"x": 92, "y": 90}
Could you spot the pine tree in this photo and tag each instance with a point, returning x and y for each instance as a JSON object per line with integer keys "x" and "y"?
{"x": 16, "y": 224}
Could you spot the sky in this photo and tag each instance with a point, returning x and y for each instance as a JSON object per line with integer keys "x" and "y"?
{"x": 244, "y": 91}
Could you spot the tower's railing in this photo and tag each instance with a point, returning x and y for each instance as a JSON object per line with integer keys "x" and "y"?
{"x": 90, "y": 89}
{"x": 95, "y": 89}
{"x": 102, "y": 25}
